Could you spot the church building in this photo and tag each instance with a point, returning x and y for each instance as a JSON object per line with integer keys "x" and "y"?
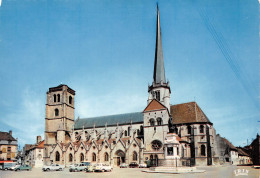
{"x": 160, "y": 135}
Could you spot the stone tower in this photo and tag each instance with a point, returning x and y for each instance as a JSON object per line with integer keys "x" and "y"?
{"x": 160, "y": 89}
{"x": 59, "y": 118}
{"x": 157, "y": 112}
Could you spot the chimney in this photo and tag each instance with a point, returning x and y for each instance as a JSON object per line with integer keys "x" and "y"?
{"x": 38, "y": 139}
{"x": 10, "y": 132}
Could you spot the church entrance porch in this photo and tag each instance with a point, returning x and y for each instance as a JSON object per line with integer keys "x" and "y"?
{"x": 119, "y": 158}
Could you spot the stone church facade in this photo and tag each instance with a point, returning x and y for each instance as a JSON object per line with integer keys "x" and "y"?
{"x": 162, "y": 134}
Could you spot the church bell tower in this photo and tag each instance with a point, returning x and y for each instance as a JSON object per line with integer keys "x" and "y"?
{"x": 160, "y": 89}
{"x": 59, "y": 117}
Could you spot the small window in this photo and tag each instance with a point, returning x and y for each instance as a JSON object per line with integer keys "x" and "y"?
{"x": 201, "y": 129}
{"x": 70, "y": 157}
{"x": 125, "y": 132}
{"x": 134, "y": 156}
{"x": 159, "y": 121}
{"x": 54, "y": 98}
{"x": 151, "y": 122}
{"x": 70, "y": 100}
{"x": 94, "y": 157}
{"x": 57, "y": 156}
{"x": 203, "y": 150}
{"x": 58, "y": 95}
{"x": 189, "y": 129}
{"x": 106, "y": 157}
{"x": 56, "y": 112}
{"x": 81, "y": 157}
{"x": 157, "y": 93}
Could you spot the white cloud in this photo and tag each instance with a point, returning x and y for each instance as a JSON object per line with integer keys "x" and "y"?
{"x": 28, "y": 119}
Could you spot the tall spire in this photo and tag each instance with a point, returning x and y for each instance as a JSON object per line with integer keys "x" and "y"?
{"x": 158, "y": 73}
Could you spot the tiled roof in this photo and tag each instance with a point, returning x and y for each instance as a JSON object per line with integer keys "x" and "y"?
{"x": 230, "y": 144}
{"x": 6, "y": 136}
{"x": 40, "y": 145}
{"x": 241, "y": 152}
{"x": 186, "y": 113}
{"x": 154, "y": 105}
{"x": 109, "y": 120}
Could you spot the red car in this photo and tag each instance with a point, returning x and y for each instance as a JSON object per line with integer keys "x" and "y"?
{"x": 133, "y": 165}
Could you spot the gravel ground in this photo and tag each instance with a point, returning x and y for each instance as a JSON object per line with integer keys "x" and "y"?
{"x": 211, "y": 172}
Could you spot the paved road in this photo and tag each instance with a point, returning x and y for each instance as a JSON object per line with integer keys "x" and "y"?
{"x": 211, "y": 172}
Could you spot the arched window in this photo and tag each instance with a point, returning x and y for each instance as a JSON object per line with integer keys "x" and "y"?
{"x": 58, "y": 95}
{"x": 134, "y": 156}
{"x": 94, "y": 157}
{"x": 70, "y": 157}
{"x": 201, "y": 129}
{"x": 54, "y": 98}
{"x": 106, "y": 157}
{"x": 125, "y": 132}
{"x": 189, "y": 129}
{"x": 177, "y": 150}
{"x": 159, "y": 121}
{"x": 141, "y": 130}
{"x": 203, "y": 150}
{"x": 70, "y": 100}
{"x": 57, "y": 156}
{"x": 151, "y": 157}
{"x": 56, "y": 112}
{"x": 81, "y": 157}
{"x": 151, "y": 122}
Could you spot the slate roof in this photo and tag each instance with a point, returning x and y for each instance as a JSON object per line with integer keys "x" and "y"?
{"x": 6, "y": 136}
{"x": 101, "y": 121}
{"x": 185, "y": 113}
{"x": 181, "y": 114}
{"x": 159, "y": 74}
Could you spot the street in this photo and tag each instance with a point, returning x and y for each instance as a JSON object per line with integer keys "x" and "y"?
{"x": 212, "y": 172}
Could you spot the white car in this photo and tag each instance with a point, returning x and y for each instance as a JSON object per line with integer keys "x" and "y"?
{"x": 107, "y": 168}
{"x": 143, "y": 165}
{"x": 13, "y": 167}
{"x": 53, "y": 167}
{"x": 102, "y": 167}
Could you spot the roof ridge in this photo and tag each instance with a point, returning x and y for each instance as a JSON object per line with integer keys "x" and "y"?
{"x": 110, "y": 115}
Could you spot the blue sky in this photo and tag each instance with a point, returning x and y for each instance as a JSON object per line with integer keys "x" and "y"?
{"x": 105, "y": 51}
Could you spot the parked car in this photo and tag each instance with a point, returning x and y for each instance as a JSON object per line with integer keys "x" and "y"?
{"x": 90, "y": 168}
{"x": 78, "y": 167}
{"x": 99, "y": 167}
{"x": 53, "y": 167}
{"x": 102, "y": 167}
{"x": 143, "y": 165}
{"x": 107, "y": 168}
{"x": 23, "y": 167}
{"x": 7, "y": 165}
{"x": 14, "y": 167}
{"x": 133, "y": 165}
{"x": 123, "y": 165}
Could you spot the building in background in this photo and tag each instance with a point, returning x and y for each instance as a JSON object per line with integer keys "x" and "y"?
{"x": 8, "y": 146}
{"x": 33, "y": 153}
